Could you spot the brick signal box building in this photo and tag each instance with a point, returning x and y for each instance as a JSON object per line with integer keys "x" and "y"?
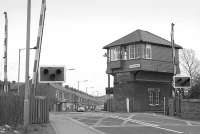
{"x": 142, "y": 66}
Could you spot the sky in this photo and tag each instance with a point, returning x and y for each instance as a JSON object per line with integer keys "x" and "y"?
{"x": 75, "y": 32}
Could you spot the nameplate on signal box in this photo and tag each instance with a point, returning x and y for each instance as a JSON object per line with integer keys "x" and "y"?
{"x": 134, "y": 66}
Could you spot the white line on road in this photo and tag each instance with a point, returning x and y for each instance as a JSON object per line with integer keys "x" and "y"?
{"x": 127, "y": 120}
{"x": 148, "y": 124}
{"x": 188, "y": 122}
{"x": 84, "y": 125}
{"x": 99, "y": 121}
{"x": 171, "y": 130}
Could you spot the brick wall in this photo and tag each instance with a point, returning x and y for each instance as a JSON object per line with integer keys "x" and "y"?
{"x": 137, "y": 92}
{"x": 190, "y": 108}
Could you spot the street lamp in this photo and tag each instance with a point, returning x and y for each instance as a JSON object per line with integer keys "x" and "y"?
{"x": 19, "y": 66}
{"x": 96, "y": 92}
{"x": 81, "y": 81}
{"x": 87, "y": 88}
{"x": 70, "y": 69}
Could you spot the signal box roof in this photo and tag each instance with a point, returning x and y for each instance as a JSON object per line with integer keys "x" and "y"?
{"x": 141, "y": 36}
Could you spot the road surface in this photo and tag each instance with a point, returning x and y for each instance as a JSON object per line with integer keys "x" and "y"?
{"x": 122, "y": 123}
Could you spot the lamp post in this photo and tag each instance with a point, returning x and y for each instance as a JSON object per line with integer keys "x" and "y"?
{"x": 81, "y": 81}
{"x": 70, "y": 69}
{"x": 27, "y": 90}
{"x": 87, "y": 88}
{"x": 19, "y": 66}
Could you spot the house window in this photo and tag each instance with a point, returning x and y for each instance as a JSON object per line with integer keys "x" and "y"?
{"x": 157, "y": 92}
{"x": 151, "y": 92}
{"x": 148, "y": 51}
{"x": 115, "y": 53}
{"x": 131, "y": 51}
{"x": 154, "y": 96}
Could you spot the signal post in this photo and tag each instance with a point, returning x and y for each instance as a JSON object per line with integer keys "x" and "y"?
{"x": 180, "y": 82}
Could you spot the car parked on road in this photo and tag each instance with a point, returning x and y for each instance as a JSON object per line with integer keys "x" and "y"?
{"x": 81, "y": 109}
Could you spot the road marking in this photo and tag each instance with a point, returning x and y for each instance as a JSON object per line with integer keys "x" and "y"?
{"x": 188, "y": 123}
{"x": 84, "y": 125}
{"x": 172, "y": 118}
{"x": 127, "y": 120}
{"x": 171, "y": 130}
{"x": 99, "y": 121}
{"x": 156, "y": 122}
{"x": 148, "y": 124}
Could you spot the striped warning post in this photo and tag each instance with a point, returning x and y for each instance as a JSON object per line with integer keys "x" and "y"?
{"x": 39, "y": 43}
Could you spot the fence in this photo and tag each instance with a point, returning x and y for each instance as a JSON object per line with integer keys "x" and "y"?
{"x": 12, "y": 107}
{"x": 39, "y": 111}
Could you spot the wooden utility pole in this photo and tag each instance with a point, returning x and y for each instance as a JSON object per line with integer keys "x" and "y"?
{"x": 173, "y": 48}
{"x": 5, "y": 53}
{"x": 173, "y": 55}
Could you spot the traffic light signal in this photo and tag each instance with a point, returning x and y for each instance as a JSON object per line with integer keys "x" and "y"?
{"x": 182, "y": 82}
{"x": 51, "y": 74}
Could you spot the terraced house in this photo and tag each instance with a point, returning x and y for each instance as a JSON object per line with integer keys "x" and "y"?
{"x": 142, "y": 67}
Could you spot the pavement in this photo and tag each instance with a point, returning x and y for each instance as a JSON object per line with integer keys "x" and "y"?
{"x": 64, "y": 125}
{"x": 121, "y": 123}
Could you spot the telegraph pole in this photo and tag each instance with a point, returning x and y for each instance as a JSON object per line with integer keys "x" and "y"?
{"x": 173, "y": 55}
{"x": 5, "y": 53}
{"x": 173, "y": 48}
{"x": 27, "y": 89}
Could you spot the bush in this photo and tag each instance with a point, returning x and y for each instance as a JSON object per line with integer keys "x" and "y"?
{"x": 195, "y": 92}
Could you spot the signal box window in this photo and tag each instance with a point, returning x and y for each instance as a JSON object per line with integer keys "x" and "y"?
{"x": 131, "y": 51}
{"x": 115, "y": 53}
{"x": 138, "y": 51}
{"x": 124, "y": 53}
{"x": 148, "y": 51}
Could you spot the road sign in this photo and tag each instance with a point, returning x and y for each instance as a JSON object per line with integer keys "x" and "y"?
{"x": 52, "y": 74}
{"x": 181, "y": 82}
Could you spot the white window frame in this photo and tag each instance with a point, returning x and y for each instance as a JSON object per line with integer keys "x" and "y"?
{"x": 115, "y": 53}
{"x": 148, "y": 52}
{"x": 157, "y": 97}
{"x": 131, "y": 51}
{"x": 150, "y": 92}
{"x": 143, "y": 51}
{"x": 137, "y": 51}
{"x": 109, "y": 55}
{"x": 57, "y": 94}
{"x": 124, "y": 53}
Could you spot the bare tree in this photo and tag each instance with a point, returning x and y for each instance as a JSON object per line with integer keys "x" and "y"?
{"x": 190, "y": 64}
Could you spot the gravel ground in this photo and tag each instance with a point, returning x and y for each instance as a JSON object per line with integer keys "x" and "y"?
{"x": 32, "y": 129}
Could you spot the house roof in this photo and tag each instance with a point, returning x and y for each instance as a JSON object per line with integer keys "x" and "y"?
{"x": 141, "y": 36}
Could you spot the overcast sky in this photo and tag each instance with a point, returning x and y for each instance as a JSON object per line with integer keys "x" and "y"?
{"x": 76, "y": 30}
